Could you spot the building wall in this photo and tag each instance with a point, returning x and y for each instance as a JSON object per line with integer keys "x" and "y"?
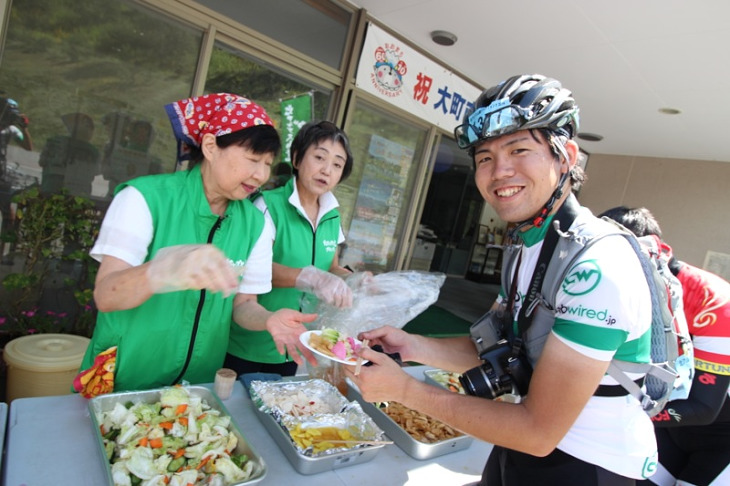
{"x": 689, "y": 198}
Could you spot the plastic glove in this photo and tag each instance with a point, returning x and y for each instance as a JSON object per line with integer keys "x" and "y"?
{"x": 326, "y": 286}
{"x": 186, "y": 267}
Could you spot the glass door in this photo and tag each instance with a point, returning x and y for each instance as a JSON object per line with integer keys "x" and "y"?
{"x": 376, "y": 199}
{"x": 450, "y": 218}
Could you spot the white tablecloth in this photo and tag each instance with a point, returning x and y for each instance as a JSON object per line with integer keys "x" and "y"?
{"x": 51, "y": 441}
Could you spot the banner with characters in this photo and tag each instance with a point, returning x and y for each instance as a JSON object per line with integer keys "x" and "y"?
{"x": 392, "y": 71}
{"x": 295, "y": 112}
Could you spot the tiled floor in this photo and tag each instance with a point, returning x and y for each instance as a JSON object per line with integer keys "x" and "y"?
{"x": 466, "y": 299}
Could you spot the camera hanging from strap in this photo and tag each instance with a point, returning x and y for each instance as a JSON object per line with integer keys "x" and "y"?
{"x": 563, "y": 218}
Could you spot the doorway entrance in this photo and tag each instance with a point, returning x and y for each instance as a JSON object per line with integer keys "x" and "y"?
{"x": 451, "y": 214}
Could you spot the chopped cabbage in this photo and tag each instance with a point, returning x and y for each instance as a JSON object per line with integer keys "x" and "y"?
{"x": 177, "y": 441}
{"x": 174, "y": 396}
{"x": 141, "y": 464}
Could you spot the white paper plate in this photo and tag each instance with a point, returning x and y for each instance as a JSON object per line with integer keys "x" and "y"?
{"x": 304, "y": 338}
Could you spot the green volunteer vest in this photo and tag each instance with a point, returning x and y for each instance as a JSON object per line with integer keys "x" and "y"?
{"x": 177, "y": 336}
{"x": 297, "y": 246}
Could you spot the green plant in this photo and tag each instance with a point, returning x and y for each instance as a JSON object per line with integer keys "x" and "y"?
{"x": 52, "y": 234}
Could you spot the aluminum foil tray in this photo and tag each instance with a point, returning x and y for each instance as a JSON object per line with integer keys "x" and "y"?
{"x": 414, "y": 448}
{"x": 107, "y": 402}
{"x": 303, "y": 463}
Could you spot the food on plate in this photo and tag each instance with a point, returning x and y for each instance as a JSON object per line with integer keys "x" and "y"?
{"x": 178, "y": 440}
{"x": 418, "y": 425}
{"x": 332, "y": 342}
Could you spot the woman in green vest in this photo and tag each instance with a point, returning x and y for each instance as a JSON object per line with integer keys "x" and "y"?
{"x": 183, "y": 253}
{"x": 306, "y": 234}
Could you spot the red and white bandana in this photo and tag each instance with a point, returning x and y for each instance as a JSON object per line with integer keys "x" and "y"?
{"x": 219, "y": 114}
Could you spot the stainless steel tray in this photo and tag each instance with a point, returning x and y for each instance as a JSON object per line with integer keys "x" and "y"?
{"x": 106, "y": 403}
{"x": 313, "y": 465}
{"x": 437, "y": 377}
{"x": 414, "y": 448}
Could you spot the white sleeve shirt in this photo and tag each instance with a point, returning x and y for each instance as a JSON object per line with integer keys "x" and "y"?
{"x": 127, "y": 232}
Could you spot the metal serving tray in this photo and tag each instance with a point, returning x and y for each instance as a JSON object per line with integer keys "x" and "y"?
{"x": 313, "y": 465}
{"x": 432, "y": 377}
{"x": 414, "y": 448}
{"x": 107, "y": 402}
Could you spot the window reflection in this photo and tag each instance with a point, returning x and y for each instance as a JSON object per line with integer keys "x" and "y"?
{"x": 318, "y": 29}
{"x": 374, "y": 200}
{"x": 232, "y": 71}
{"x": 92, "y": 78}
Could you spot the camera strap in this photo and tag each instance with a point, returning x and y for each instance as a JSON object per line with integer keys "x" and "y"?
{"x": 564, "y": 218}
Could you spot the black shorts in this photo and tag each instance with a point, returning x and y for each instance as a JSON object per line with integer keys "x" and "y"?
{"x": 695, "y": 454}
{"x": 506, "y": 467}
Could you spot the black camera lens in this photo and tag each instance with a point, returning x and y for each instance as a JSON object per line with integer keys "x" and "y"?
{"x": 483, "y": 382}
{"x": 500, "y": 372}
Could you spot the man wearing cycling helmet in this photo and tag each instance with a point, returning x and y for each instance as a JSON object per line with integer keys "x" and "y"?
{"x": 576, "y": 426}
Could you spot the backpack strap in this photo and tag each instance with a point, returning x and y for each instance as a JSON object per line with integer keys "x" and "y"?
{"x": 572, "y": 245}
{"x": 660, "y": 371}
{"x": 660, "y": 375}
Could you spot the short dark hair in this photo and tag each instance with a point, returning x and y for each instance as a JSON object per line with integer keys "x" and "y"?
{"x": 260, "y": 139}
{"x": 639, "y": 221}
{"x": 314, "y": 132}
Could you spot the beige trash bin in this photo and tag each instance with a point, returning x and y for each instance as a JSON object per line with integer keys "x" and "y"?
{"x": 43, "y": 364}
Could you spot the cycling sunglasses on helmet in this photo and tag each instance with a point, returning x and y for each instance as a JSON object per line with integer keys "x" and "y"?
{"x": 499, "y": 118}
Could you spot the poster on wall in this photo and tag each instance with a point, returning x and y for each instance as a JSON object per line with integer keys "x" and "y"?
{"x": 392, "y": 71}
{"x": 379, "y": 203}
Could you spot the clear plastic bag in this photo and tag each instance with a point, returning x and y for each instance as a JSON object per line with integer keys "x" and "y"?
{"x": 391, "y": 298}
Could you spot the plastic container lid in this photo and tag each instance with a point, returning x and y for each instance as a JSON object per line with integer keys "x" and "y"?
{"x": 46, "y": 352}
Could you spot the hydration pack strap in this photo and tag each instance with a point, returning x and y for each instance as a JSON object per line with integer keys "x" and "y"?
{"x": 618, "y": 369}
{"x": 616, "y": 390}
{"x": 563, "y": 219}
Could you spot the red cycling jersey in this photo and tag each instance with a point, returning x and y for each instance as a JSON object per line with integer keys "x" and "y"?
{"x": 707, "y": 308}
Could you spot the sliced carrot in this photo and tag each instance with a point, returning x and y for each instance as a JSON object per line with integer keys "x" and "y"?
{"x": 166, "y": 425}
{"x": 179, "y": 453}
{"x": 203, "y": 463}
{"x": 181, "y": 409}
{"x": 166, "y": 480}
{"x": 201, "y": 416}
{"x": 144, "y": 442}
{"x": 155, "y": 443}
{"x": 183, "y": 421}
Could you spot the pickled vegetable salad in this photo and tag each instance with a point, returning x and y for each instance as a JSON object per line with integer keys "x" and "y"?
{"x": 339, "y": 345}
{"x": 178, "y": 441}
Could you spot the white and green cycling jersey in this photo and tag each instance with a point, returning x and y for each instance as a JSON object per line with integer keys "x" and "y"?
{"x": 603, "y": 310}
